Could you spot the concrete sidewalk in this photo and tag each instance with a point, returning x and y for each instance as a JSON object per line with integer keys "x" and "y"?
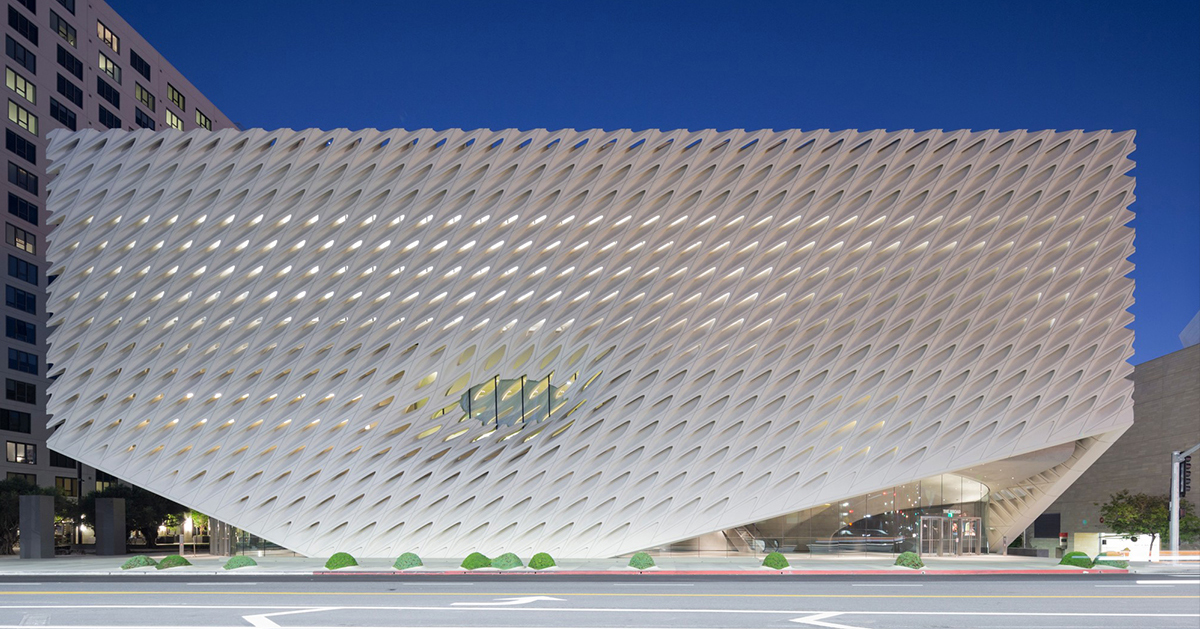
{"x": 745, "y": 566}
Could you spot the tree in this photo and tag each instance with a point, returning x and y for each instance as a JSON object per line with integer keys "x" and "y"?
{"x": 11, "y": 491}
{"x": 144, "y": 510}
{"x": 1145, "y": 514}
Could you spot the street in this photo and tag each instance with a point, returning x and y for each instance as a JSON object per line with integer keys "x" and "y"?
{"x": 558, "y": 601}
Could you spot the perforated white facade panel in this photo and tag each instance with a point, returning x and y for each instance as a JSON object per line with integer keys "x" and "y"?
{"x": 285, "y": 329}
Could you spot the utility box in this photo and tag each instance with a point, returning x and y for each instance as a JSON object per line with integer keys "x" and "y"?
{"x": 110, "y": 526}
{"x": 37, "y": 527}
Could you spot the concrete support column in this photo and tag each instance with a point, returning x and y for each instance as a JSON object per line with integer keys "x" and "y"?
{"x": 110, "y": 526}
{"x": 37, "y": 527}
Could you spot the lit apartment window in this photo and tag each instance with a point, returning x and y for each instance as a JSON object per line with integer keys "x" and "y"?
{"x": 23, "y": 331}
{"x": 20, "y": 85}
{"x": 68, "y": 5}
{"x": 22, "y": 361}
{"x": 139, "y": 64}
{"x": 19, "y": 299}
{"x": 63, "y": 114}
{"x": 203, "y": 120}
{"x": 108, "y": 37}
{"x": 108, "y": 92}
{"x": 70, "y": 91}
{"x": 15, "y": 421}
{"x": 144, "y": 96}
{"x": 20, "y": 147}
{"x": 64, "y": 30}
{"x": 67, "y": 486}
{"x": 20, "y": 54}
{"x": 70, "y": 62}
{"x": 22, "y": 452}
{"x": 176, "y": 97}
{"x": 104, "y": 480}
{"x": 23, "y": 179}
{"x": 109, "y": 67}
{"x": 109, "y": 119}
{"x": 174, "y": 121}
{"x": 22, "y": 270}
{"x": 22, "y": 25}
{"x": 22, "y": 117}
{"x": 20, "y": 239}
{"x": 22, "y": 209}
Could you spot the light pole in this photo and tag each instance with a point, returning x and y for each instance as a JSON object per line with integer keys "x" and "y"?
{"x": 1177, "y": 493}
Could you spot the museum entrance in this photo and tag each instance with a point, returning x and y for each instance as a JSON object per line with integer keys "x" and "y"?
{"x": 950, "y": 536}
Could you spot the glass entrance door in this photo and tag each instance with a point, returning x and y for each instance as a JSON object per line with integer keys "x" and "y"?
{"x": 942, "y": 536}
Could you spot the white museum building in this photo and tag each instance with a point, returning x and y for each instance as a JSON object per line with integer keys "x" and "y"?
{"x": 591, "y": 343}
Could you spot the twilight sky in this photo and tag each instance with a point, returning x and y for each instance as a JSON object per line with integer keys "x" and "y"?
{"x": 1096, "y": 64}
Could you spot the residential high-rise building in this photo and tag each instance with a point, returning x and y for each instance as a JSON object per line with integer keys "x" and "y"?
{"x": 594, "y": 342}
{"x": 73, "y": 65}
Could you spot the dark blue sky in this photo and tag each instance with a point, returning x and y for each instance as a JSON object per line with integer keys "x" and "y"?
{"x": 730, "y": 65}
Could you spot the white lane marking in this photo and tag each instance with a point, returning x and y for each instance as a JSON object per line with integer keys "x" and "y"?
{"x": 818, "y": 620}
{"x": 660, "y": 585}
{"x": 887, "y": 585}
{"x": 227, "y": 583}
{"x": 1143, "y": 587}
{"x": 262, "y": 620}
{"x": 1169, "y": 582}
{"x": 437, "y": 583}
{"x": 520, "y": 600}
{"x": 4, "y": 585}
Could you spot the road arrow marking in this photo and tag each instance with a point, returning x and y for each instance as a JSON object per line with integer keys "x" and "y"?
{"x": 262, "y": 620}
{"x": 817, "y": 620}
{"x": 509, "y": 601}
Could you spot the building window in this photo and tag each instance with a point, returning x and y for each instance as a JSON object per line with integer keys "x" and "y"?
{"x": 15, "y": 421}
{"x": 22, "y": 270}
{"x": 20, "y": 147}
{"x": 108, "y": 92}
{"x": 28, "y": 478}
{"x": 22, "y": 209}
{"x": 20, "y": 239}
{"x": 174, "y": 121}
{"x": 109, "y": 119}
{"x": 63, "y": 114}
{"x": 19, "y": 299}
{"x": 22, "y": 361}
{"x": 22, "y": 453}
{"x": 109, "y": 67}
{"x": 68, "y": 486}
{"x": 175, "y": 96}
{"x": 203, "y": 120}
{"x": 108, "y": 37}
{"x": 20, "y": 85}
{"x": 68, "y": 5}
{"x": 143, "y": 95}
{"x": 20, "y": 54}
{"x": 22, "y": 25}
{"x": 70, "y": 91}
{"x": 23, "y": 179}
{"x": 23, "y": 331}
{"x": 143, "y": 119}
{"x": 22, "y": 117}
{"x": 70, "y": 62}
{"x": 64, "y": 30}
{"x": 29, "y": 4}
{"x": 139, "y": 64}
{"x": 18, "y": 391}
{"x": 61, "y": 460}
{"x": 104, "y": 480}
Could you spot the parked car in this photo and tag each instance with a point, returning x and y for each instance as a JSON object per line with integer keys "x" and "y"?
{"x": 866, "y": 540}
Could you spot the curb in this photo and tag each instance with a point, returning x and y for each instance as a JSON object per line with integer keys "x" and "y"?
{"x": 744, "y": 573}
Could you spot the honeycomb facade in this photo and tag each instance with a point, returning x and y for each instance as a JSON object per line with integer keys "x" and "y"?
{"x": 585, "y": 343}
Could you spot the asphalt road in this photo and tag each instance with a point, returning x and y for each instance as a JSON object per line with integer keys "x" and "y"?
{"x": 246, "y": 600}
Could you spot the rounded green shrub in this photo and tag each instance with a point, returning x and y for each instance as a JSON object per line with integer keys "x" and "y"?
{"x": 1076, "y": 559}
{"x": 340, "y": 560}
{"x": 507, "y": 561}
{"x": 641, "y": 561}
{"x": 775, "y": 561}
{"x": 1111, "y": 563}
{"x": 140, "y": 561}
{"x": 239, "y": 561}
{"x": 406, "y": 561}
{"x": 475, "y": 561}
{"x": 541, "y": 561}
{"x": 910, "y": 560}
{"x": 172, "y": 561}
